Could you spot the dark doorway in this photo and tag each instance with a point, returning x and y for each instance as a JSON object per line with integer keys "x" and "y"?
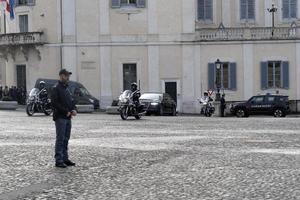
{"x": 171, "y": 89}
{"x": 21, "y": 76}
{"x": 129, "y": 75}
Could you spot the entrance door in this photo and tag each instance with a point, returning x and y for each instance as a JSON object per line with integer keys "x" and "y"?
{"x": 21, "y": 76}
{"x": 129, "y": 75}
{"x": 171, "y": 89}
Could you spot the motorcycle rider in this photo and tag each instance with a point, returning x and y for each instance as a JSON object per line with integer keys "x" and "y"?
{"x": 136, "y": 94}
{"x": 43, "y": 94}
{"x": 205, "y": 99}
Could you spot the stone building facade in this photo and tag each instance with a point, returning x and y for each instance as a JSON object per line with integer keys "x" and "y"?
{"x": 165, "y": 45}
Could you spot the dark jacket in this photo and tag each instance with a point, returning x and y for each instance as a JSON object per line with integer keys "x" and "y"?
{"x": 223, "y": 102}
{"x": 62, "y": 101}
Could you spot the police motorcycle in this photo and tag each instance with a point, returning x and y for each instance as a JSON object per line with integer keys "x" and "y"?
{"x": 127, "y": 107}
{"x": 207, "y": 108}
{"x": 38, "y": 102}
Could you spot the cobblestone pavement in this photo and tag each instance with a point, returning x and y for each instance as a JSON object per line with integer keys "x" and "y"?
{"x": 186, "y": 157}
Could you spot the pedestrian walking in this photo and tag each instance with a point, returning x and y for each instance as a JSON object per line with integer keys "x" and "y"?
{"x": 223, "y": 105}
{"x": 64, "y": 110}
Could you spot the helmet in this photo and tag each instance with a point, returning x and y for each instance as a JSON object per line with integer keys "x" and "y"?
{"x": 205, "y": 93}
{"x": 42, "y": 84}
{"x": 134, "y": 86}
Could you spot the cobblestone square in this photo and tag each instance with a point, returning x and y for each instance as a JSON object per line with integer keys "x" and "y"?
{"x": 183, "y": 157}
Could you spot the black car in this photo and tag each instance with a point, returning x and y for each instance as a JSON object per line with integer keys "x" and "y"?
{"x": 276, "y": 105}
{"x": 158, "y": 103}
{"x": 79, "y": 93}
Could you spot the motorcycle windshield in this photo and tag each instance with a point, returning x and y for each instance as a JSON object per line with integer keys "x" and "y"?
{"x": 126, "y": 94}
{"x": 33, "y": 92}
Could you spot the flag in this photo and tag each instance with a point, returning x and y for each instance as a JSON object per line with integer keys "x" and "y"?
{"x": 9, "y": 6}
{"x": 11, "y": 9}
{"x": 5, "y": 5}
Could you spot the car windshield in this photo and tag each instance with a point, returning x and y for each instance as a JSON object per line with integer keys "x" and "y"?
{"x": 151, "y": 96}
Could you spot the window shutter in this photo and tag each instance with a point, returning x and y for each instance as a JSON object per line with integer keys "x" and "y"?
{"x": 251, "y": 9}
{"x": 233, "y": 76}
{"x": 211, "y": 76}
{"x": 208, "y": 10}
{"x": 243, "y": 9}
{"x": 285, "y": 9}
{"x": 201, "y": 10}
{"x": 30, "y": 2}
{"x": 264, "y": 75}
{"x": 115, "y": 3}
{"x": 293, "y": 8}
{"x": 141, "y": 3}
{"x": 285, "y": 75}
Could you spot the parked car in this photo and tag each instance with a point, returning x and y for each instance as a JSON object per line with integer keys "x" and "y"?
{"x": 80, "y": 94}
{"x": 276, "y": 105}
{"x": 158, "y": 103}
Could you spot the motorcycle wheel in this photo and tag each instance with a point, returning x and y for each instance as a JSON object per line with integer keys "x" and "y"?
{"x": 30, "y": 109}
{"x": 124, "y": 113}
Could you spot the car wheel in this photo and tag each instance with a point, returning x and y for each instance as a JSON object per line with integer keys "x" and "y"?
{"x": 278, "y": 113}
{"x": 241, "y": 113}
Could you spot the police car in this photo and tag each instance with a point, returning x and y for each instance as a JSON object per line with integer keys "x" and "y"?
{"x": 276, "y": 105}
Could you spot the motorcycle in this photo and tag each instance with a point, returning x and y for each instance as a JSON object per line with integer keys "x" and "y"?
{"x": 127, "y": 107}
{"x": 37, "y": 105}
{"x": 208, "y": 108}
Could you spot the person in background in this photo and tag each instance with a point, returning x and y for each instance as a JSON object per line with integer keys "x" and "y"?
{"x": 63, "y": 111}
{"x": 6, "y": 91}
{"x": 223, "y": 105}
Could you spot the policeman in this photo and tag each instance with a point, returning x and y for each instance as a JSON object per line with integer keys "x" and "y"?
{"x": 223, "y": 105}
{"x": 43, "y": 95}
{"x": 135, "y": 94}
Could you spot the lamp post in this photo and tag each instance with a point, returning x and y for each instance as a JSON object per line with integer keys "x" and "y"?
{"x": 218, "y": 65}
{"x": 273, "y": 10}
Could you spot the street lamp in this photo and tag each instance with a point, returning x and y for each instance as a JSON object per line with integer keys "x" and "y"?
{"x": 273, "y": 10}
{"x": 218, "y": 65}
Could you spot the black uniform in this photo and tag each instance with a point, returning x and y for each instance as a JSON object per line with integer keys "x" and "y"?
{"x": 223, "y": 106}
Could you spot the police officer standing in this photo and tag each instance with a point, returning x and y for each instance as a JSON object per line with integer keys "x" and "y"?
{"x": 63, "y": 111}
{"x": 223, "y": 105}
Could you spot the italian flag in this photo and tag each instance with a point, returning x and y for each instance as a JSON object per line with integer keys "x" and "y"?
{"x": 8, "y": 5}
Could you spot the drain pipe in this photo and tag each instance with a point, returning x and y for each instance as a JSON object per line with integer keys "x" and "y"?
{"x": 61, "y": 34}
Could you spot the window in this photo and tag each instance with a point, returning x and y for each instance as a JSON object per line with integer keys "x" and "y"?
{"x": 226, "y": 76}
{"x": 289, "y": 9}
{"x": 129, "y": 75}
{"x": 205, "y": 10}
{"x": 247, "y": 10}
{"x": 257, "y": 100}
{"x": 271, "y": 99}
{"x": 223, "y": 76}
{"x": 25, "y": 2}
{"x": 23, "y": 23}
{"x": 128, "y": 3}
{"x": 275, "y": 74}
